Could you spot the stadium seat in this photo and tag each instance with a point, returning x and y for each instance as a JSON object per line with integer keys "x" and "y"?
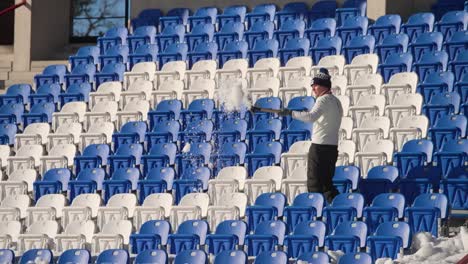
{"x": 344, "y": 207}
{"x": 384, "y": 26}
{"x": 291, "y": 11}
{"x": 431, "y": 62}
{"x": 125, "y": 156}
{"x": 458, "y": 65}
{"x": 267, "y": 236}
{"x": 352, "y": 27}
{"x": 156, "y": 206}
{"x": 325, "y": 46}
{"x": 267, "y": 206}
{"x": 74, "y": 256}
{"x": 289, "y": 29}
{"x": 110, "y": 72}
{"x": 436, "y": 83}
{"x": 305, "y": 238}
{"x": 115, "y": 54}
{"x": 119, "y": 256}
{"x": 53, "y": 181}
{"x": 83, "y": 207}
{"x": 48, "y": 92}
{"x": 453, "y": 186}
{"x": 192, "y": 206}
{"x": 389, "y": 239}
{"x": 85, "y": 55}
{"x": 425, "y": 213}
{"x": 75, "y": 235}
{"x": 414, "y": 153}
{"x": 350, "y": 8}
{"x": 38, "y": 235}
{"x": 191, "y": 256}
{"x": 417, "y": 24}
{"x": 170, "y": 35}
{"x": 394, "y": 64}
{"x": 203, "y": 16}
{"x": 320, "y": 28}
{"x": 348, "y": 237}
{"x": 305, "y": 207}
{"x": 42, "y": 255}
{"x": 230, "y": 257}
{"x": 260, "y": 13}
{"x": 228, "y": 235}
{"x": 322, "y": 9}
{"x": 358, "y": 45}
{"x": 394, "y": 43}
{"x": 200, "y": 33}
{"x": 346, "y": 178}
{"x": 203, "y": 51}
{"x": 451, "y": 22}
{"x": 151, "y": 256}
{"x": 385, "y": 207}
{"x": 263, "y": 48}
{"x": 175, "y": 16}
{"x": 51, "y": 74}
{"x": 235, "y": 13}
{"x": 355, "y": 258}
{"x": 446, "y": 128}
{"x": 456, "y": 44}
{"x": 173, "y": 52}
{"x": 82, "y": 73}
{"x": 143, "y": 35}
{"x": 8, "y": 134}
{"x": 112, "y": 37}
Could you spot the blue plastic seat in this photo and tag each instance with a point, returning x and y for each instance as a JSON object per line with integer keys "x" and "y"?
{"x": 417, "y": 24}
{"x": 389, "y": 239}
{"x": 197, "y": 131}
{"x": 260, "y": 13}
{"x": 165, "y": 110}
{"x": 453, "y": 154}
{"x": 229, "y": 154}
{"x": 87, "y": 181}
{"x": 115, "y": 256}
{"x": 144, "y": 53}
{"x": 394, "y": 43}
{"x": 457, "y": 43}
{"x": 175, "y": 16}
{"x": 266, "y": 102}
{"x": 306, "y": 237}
{"x": 199, "y": 109}
{"x": 344, "y": 207}
{"x": 294, "y": 48}
{"x": 416, "y": 152}
{"x": 160, "y": 155}
{"x": 451, "y": 22}
{"x": 151, "y": 256}
{"x": 380, "y": 179}
{"x": 110, "y": 73}
{"x": 265, "y": 154}
{"x": 192, "y": 179}
{"x": 395, "y": 63}
{"x": 46, "y": 93}
{"x": 325, "y": 46}
{"x": 7, "y": 134}
{"x": 298, "y": 103}
{"x": 431, "y": 62}
{"x": 267, "y": 207}
{"x": 143, "y": 35}
{"x": 235, "y": 13}
{"x": 436, "y": 83}
{"x": 124, "y": 180}
{"x": 11, "y": 113}
{"x": 263, "y": 49}
{"x": 231, "y": 257}
{"x": 454, "y": 186}
{"x": 288, "y": 30}
{"x": 152, "y": 234}
{"x": 191, "y": 256}
{"x": 441, "y": 104}
{"x": 53, "y": 181}
{"x": 427, "y": 209}
{"x": 385, "y": 26}
{"x": 115, "y": 54}
{"x": 357, "y": 46}
{"x": 163, "y": 132}
{"x": 77, "y": 256}
{"x": 317, "y": 257}
{"x": 228, "y": 235}
{"x": 273, "y": 257}
{"x": 261, "y": 30}
{"x": 385, "y": 207}
{"x": 459, "y": 65}
{"x": 130, "y": 133}
{"x": 51, "y": 74}
{"x": 296, "y": 131}
{"x": 266, "y": 237}
{"x": 170, "y": 35}
{"x": 426, "y": 42}
{"x": 420, "y": 180}
{"x": 264, "y": 131}
{"x": 37, "y": 255}
{"x": 173, "y": 52}
{"x": 200, "y": 33}
{"x": 190, "y": 234}
{"x": 85, "y": 55}
{"x": 291, "y": 11}
{"x": 93, "y": 156}
{"x": 158, "y": 180}
{"x": 39, "y": 113}
{"x": 320, "y": 28}
{"x": 233, "y": 50}
{"x": 203, "y": 16}
{"x": 75, "y": 93}
{"x": 355, "y": 258}
{"x": 126, "y": 156}
{"x": 348, "y": 237}
{"x": 112, "y": 37}
{"x": 352, "y": 27}
{"x": 305, "y": 207}
{"x": 230, "y": 31}
{"x": 447, "y": 128}
{"x": 203, "y": 51}
{"x": 462, "y": 89}
{"x": 346, "y": 178}
{"x": 230, "y": 130}
{"x": 198, "y": 156}
{"x": 17, "y": 93}
{"x": 147, "y": 17}
{"x": 322, "y": 9}
{"x": 350, "y": 8}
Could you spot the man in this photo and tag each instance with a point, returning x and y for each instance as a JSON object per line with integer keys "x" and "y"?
{"x": 323, "y": 153}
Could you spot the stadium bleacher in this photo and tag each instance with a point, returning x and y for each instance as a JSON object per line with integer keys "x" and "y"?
{"x": 128, "y": 154}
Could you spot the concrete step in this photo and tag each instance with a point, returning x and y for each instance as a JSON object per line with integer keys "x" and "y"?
{"x": 40, "y": 65}
{"x": 4, "y": 75}
{"x": 11, "y": 82}
{"x": 23, "y": 75}
{"x": 5, "y": 65}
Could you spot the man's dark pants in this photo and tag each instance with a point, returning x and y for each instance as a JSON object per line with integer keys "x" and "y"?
{"x": 320, "y": 170}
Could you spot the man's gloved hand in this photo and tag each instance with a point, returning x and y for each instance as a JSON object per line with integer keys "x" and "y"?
{"x": 285, "y": 112}
{"x": 255, "y": 109}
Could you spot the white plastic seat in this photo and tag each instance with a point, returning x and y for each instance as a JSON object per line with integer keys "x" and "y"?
{"x": 375, "y": 153}
{"x": 98, "y": 133}
{"x": 113, "y": 235}
{"x": 83, "y": 207}
{"x": 192, "y": 206}
{"x": 19, "y": 182}
{"x": 202, "y": 69}
{"x": 339, "y": 84}
{"x": 5, "y": 153}
{"x": 299, "y": 86}
{"x": 173, "y": 70}
{"x": 9, "y": 232}
{"x": 68, "y": 133}
{"x": 346, "y": 152}
{"x": 229, "y": 180}
{"x": 346, "y": 128}
{"x": 232, "y": 69}
{"x": 48, "y": 207}
{"x": 295, "y": 67}
{"x": 265, "y": 179}
{"x": 101, "y": 112}
{"x": 108, "y": 91}
{"x": 33, "y": 134}
{"x": 39, "y": 234}
{"x": 408, "y": 128}
{"x": 345, "y": 102}
{"x": 77, "y": 235}
{"x": 405, "y": 105}
{"x": 334, "y": 64}
{"x": 400, "y": 83}
{"x": 171, "y": 89}
{"x": 13, "y": 207}
{"x": 295, "y": 157}
{"x": 264, "y": 87}
{"x": 368, "y": 105}
{"x": 199, "y": 89}
{"x": 156, "y": 206}
{"x": 27, "y": 157}
{"x": 295, "y": 184}
{"x": 372, "y": 128}
{"x": 119, "y": 207}
{"x": 140, "y": 90}
{"x": 140, "y": 71}
{"x": 60, "y": 156}
{"x": 133, "y": 111}
{"x": 263, "y": 68}
{"x": 72, "y": 112}
{"x": 361, "y": 64}
{"x": 365, "y": 84}
{"x": 231, "y": 206}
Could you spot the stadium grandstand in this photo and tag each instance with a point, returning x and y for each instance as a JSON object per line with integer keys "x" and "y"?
{"x": 123, "y": 139}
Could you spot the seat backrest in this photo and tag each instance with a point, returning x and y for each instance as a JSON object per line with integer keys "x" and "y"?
{"x": 430, "y": 38}
{"x": 399, "y": 229}
{"x": 314, "y": 200}
{"x": 355, "y": 200}
{"x": 138, "y": 127}
{"x": 195, "y": 227}
{"x": 347, "y": 173}
{"x": 158, "y": 227}
{"x": 169, "y": 149}
{"x": 275, "y": 257}
{"x": 230, "y": 256}
{"x": 190, "y": 256}
{"x": 37, "y": 256}
{"x": 419, "y": 145}
{"x": 460, "y": 145}
{"x": 276, "y": 200}
{"x": 127, "y": 200}
{"x": 422, "y": 18}
{"x": 119, "y": 256}
{"x": 357, "y": 228}
{"x": 300, "y": 147}
{"x": 356, "y": 258}
{"x": 149, "y": 67}
{"x": 91, "y": 200}
{"x": 381, "y": 122}
{"x": 395, "y": 200}
{"x": 74, "y": 256}
{"x": 56, "y": 201}
{"x": 49, "y": 228}
{"x": 151, "y": 256}
{"x": 128, "y": 174}
{"x": 452, "y": 121}
{"x": 203, "y": 84}
{"x": 233, "y": 227}
{"x": 383, "y": 145}
{"x": 196, "y": 199}
{"x": 174, "y": 66}
{"x": 356, "y": 22}
{"x": 61, "y": 175}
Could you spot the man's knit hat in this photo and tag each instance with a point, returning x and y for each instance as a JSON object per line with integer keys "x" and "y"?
{"x": 322, "y": 78}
